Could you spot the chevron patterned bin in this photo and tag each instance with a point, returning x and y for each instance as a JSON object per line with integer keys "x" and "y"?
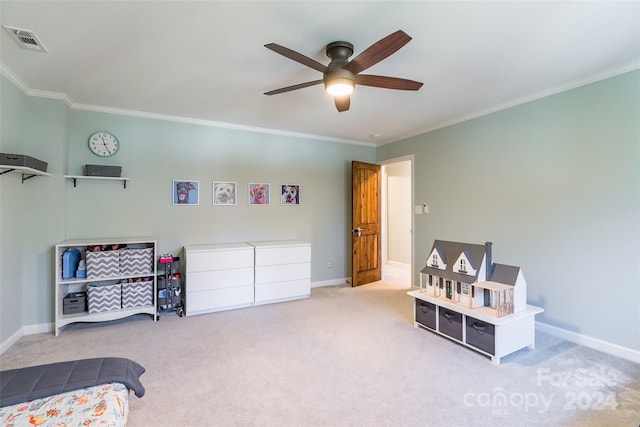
{"x": 137, "y": 294}
{"x": 102, "y": 264}
{"x": 134, "y": 262}
{"x": 103, "y": 297}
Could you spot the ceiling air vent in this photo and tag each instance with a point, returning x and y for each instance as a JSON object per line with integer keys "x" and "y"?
{"x": 26, "y": 39}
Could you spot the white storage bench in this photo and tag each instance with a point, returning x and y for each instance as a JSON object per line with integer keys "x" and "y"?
{"x": 490, "y": 335}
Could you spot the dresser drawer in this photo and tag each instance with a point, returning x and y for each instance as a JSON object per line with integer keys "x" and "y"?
{"x": 208, "y": 280}
{"x": 226, "y": 258}
{"x": 282, "y": 291}
{"x": 426, "y": 313}
{"x": 282, "y": 273}
{"x": 481, "y": 335}
{"x": 218, "y": 299}
{"x": 450, "y": 323}
{"x": 275, "y": 253}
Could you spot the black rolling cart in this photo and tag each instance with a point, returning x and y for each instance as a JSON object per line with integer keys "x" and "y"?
{"x": 170, "y": 295}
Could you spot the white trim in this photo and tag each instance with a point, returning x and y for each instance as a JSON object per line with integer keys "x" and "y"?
{"x": 411, "y": 159}
{"x": 42, "y": 328}
{"x": 133, "y": 113}
{"x": 525, "y": 99}
{"x": 9, "y": 342}
{"x": 222, "y": 125}
{"x": 408, "y": 157}
{"x": 396, "y": 264}
{"x": 594, "y": 343}
{"x": 332, "y": 282}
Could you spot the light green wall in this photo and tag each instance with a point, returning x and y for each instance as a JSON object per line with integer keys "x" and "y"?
{"x": 12, "y": 129}
{"x": 32, "y": 213}
{"x": 555, "y": 185}
{"x": 153, "y": 153}
{"x": 46, "y": 210}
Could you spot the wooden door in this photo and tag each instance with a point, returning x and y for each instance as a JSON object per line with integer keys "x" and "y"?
{"x": 366, "y": 223}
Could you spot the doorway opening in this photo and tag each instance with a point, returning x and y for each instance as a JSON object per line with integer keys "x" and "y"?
{"x": 397, "y": 220}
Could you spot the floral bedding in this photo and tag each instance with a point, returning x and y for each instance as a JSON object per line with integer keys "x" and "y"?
{"x": 101, "y": 405}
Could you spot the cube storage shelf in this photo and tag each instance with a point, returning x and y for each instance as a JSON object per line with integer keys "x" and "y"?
{"x": 143, "y": 280}
{"x": 492, "y": 336}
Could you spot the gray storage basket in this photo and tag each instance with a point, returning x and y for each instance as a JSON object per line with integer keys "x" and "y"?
{"x": 103, "y": 170}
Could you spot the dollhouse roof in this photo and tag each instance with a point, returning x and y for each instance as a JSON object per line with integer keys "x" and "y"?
{"x": 507, "y": 274}
{"x": 440, "y": 253}
{"x": 450, "y": 251}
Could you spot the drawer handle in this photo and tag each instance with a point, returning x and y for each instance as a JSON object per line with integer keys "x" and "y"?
{"x": 480, "y": 328}
{"x": 448, "y": 315}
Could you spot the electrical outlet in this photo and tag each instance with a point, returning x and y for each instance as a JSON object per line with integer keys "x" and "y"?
{"x": 328, "y": 264}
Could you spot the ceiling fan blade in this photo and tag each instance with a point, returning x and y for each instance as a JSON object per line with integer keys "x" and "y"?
{"x": 387, "y": 82}
{"x": 298, "y": 57}
{"x": 378, "y": 51}
{"x": 294, "y": 87}
{"x": 342, "y": 102}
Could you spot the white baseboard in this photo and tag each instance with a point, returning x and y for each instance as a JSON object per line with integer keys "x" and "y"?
{"x": 6, "y": 345}
{"x": 333, "y": 282}
{"x": 396, "y": 264}
{"x": 42, "y": 328}
{"x": 594, "y": 343}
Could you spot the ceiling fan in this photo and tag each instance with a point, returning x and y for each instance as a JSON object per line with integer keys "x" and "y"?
{"x": 341, "y": 75}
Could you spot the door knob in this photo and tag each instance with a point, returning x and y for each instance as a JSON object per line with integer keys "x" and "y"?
{"x": 357, "y": 231}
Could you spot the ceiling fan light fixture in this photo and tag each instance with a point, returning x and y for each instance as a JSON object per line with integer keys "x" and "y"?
{"x": 339, "y": 86}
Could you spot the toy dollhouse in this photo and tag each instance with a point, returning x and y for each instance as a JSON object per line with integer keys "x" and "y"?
{"x": 464, "y": 274}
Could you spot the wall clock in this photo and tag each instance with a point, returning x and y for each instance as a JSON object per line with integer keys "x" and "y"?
{"x": 103, "y": 144}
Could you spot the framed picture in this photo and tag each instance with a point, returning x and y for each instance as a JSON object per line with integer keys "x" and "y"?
{"x": 289, "y": 194}
{"x": 258, "y": 193}
{"x": 185, "y": 192}
{"x": 224, "y": 193}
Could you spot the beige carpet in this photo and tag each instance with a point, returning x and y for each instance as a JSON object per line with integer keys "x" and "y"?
{"x": 345, "y": 357}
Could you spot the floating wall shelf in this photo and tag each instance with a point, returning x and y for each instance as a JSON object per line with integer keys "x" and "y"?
{"x": 24, "y": 170}
{"x": 74, "y": 178}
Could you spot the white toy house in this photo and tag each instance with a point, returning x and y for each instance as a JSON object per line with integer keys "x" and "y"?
{"x": 463, "y": 273}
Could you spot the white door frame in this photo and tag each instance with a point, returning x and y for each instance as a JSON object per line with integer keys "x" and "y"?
{"x": 410, "y": 159}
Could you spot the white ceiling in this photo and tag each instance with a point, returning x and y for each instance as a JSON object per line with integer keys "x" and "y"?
{"x": 205, "y": 61}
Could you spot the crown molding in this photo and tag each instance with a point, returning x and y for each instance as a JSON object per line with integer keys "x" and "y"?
{"x": 143, "y": 114}
{"x": 529, "y": 98}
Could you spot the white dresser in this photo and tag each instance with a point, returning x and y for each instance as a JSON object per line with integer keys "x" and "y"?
{"x": 282, "y": 271}
{"x": 218, "y": 277}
